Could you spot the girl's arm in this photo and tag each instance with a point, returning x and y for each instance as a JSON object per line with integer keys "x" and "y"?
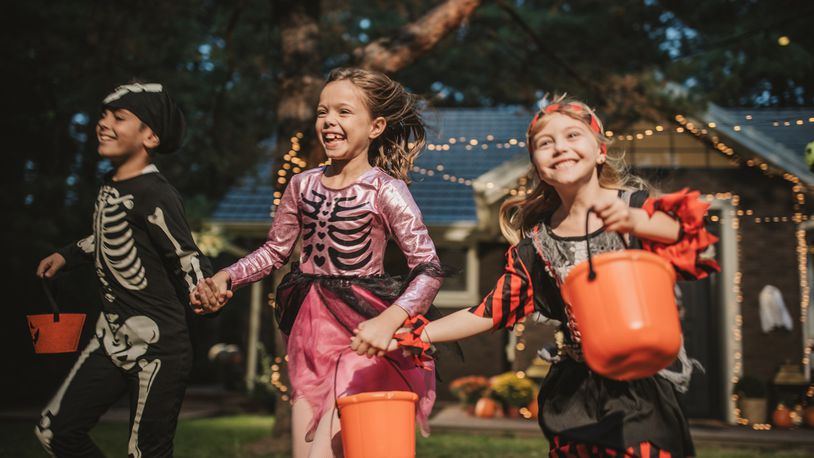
{"x": 405, "y": 223}
{"x": 403, "y": 219}
{"x": 509, "y": 302}
{"x": 617, "y": 216}
{"x": 213, "y": 293}
{"x": 456, "y": 326}
{"x": 671, "y": 225}
{"x": 281, "y": 238}
{"x": 691, "y": 253}
{"x": 660, "y": 227}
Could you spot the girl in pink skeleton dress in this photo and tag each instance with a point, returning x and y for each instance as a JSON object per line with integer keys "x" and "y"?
{"x": 345, "y": 213}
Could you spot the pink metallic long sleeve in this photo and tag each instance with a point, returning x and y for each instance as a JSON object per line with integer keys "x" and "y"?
{"x": 344, "y": 232}
{"x": 407, "y": 227}
{"x": 282, "y": 236}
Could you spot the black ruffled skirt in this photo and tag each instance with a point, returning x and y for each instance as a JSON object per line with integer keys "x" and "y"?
{"x": 580, "y": 407}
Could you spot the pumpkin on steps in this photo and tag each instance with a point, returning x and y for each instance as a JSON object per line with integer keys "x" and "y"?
{"x": 486, "y": 408}
{"x": 781, "y": 417}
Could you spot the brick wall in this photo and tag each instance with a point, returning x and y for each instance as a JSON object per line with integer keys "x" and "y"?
{"x": 768, "y": 255}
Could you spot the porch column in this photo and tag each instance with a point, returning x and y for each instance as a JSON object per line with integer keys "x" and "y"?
{"x": 254, "y": 334}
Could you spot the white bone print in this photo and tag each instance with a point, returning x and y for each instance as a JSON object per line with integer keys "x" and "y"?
{"x": 188, "y": 259}
{"x": 135, "y": 87}
{"x": 87, "y": 245}
{"x": 117, "y": 247}
{"x": 126, "y": 344}
{"x": 146, "y": 376}
{"x": 43, "y": 428}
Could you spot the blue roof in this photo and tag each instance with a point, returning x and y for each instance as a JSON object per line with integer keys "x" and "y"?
{"x": 778, "y": 135}
{"x": 450, "y": 152}
{"x": 781, "y": 126}
{"x": 249, "y": 201}
{"x": 442, "y": 201}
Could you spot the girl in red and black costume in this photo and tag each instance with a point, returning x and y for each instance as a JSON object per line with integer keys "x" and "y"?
{"x": 581, "y": 412}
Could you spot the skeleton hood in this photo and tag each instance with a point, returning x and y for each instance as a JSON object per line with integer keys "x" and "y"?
{"x": 151, "y": 103}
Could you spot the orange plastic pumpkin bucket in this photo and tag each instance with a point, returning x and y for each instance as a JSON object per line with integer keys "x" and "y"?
{"x": 378, "y": 424}
{"x": 625, "y": 310}
{"x": 55, "y": 332}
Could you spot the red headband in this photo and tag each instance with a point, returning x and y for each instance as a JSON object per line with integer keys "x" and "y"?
{"x": 554, "y": 107}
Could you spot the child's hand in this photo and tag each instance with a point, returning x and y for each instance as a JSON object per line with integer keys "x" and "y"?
{"x": 50, "y": 265}
{"x": 211, "y": 294}
{"x": 615, "y": 215}
{"x": 374, "y": 336}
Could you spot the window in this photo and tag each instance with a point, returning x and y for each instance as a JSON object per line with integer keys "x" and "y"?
{"x": 460, "y": 290}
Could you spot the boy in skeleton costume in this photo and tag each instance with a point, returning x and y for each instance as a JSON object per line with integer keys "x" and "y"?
{"x": 147, "y": 263}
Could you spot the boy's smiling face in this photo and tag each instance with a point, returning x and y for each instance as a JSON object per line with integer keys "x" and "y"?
{"x": 121, "y": 135}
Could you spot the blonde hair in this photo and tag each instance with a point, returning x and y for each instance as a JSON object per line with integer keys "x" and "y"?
{"x": 519, "y": 215}
{"x": 395, "y": 150}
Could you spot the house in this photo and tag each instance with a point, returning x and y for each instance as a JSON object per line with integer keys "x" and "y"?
{"x": 747, "y": 163}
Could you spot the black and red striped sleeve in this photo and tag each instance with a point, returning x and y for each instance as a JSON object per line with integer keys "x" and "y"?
{"x": 513, "y": 296}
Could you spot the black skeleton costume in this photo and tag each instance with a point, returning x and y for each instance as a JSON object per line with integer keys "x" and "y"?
{"x": 147, "y": 263}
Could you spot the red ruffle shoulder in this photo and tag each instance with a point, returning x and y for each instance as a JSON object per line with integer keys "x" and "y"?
{"x": 687, "y": 253}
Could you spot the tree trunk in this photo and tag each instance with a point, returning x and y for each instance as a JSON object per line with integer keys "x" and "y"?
{"x": 300, "y": 84}
{"x": 301, "y": 79}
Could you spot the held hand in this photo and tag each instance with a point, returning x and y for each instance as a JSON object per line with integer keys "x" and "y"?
{"x": 50, "y": 265}
{"x": 373, "y": 337}
{"x": 211, "y": 294}
{"x": 615, "y": 215}
{"x": 394, "y": 344}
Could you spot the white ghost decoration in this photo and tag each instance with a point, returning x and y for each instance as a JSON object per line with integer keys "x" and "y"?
{"x": 773, "y": 312}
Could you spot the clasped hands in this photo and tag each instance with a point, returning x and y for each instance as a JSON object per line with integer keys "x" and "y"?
{"x": 211, "y": 294}
{"x": 374, "y": 337}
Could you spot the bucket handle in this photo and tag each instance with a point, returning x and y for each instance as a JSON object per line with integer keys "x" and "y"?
{"x": 386, "y": 358}
{"x": 50, "y": 296}
{"x": 591, "y": 271}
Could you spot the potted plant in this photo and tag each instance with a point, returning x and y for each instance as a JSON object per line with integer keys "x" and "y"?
{"x": 752, "y": 394}
{"x": 515, "y": 392}
{"x": 469, "y": 390}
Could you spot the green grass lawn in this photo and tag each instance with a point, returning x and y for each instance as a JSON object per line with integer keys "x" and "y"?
{"x": 226, "y": 437}
{"x": 218, "y": 437}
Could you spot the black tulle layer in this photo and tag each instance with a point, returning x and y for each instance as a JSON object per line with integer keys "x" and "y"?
{"x": 580, "y": 406}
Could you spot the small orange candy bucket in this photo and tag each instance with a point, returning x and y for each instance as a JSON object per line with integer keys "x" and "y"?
{"x": 378, "y": 424}
{"x": 55, "y": 332}
{"x": 624, "y": 306}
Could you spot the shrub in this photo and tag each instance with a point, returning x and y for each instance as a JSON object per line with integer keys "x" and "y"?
{"x": 469, "y": 389}
{"x": 513, "y": 390}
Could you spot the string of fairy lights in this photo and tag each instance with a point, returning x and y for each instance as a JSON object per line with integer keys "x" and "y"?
{"x": 293, "y": 164}
{"x": 520, "y": 346}
{"x": 276, "y": 377}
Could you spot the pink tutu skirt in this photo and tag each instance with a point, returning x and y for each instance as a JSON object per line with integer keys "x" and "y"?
{"x": 322, "y": 367}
